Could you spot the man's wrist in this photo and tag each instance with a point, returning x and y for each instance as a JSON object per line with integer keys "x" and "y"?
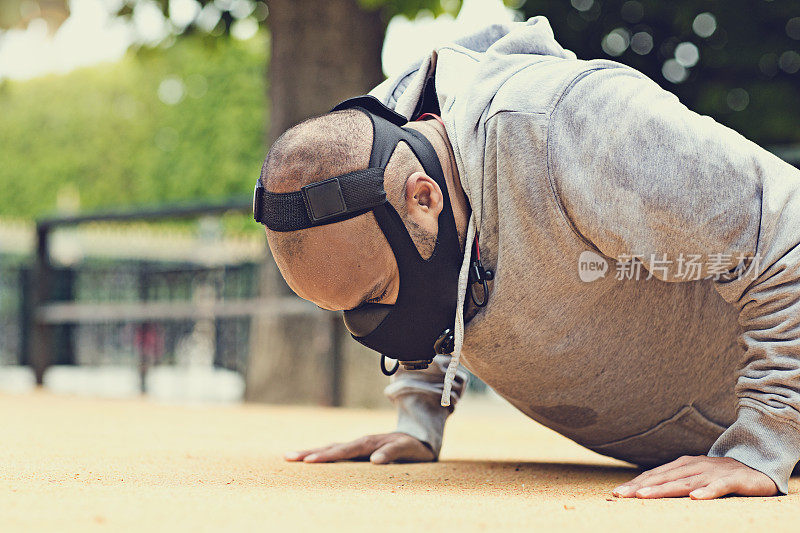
{"x": 422, "y": 417}
{"x": 763, "y": 442}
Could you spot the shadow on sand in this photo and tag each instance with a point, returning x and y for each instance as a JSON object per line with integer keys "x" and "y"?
{"x": 461, "y": 475}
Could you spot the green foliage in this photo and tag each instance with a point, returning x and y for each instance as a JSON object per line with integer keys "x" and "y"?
{"x": 746, "y": 77}
{"x": 410, "y": 8}
{"x": 104, "y": 134}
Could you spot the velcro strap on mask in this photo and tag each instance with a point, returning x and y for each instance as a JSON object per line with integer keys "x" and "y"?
{"x": 319, "y": 203}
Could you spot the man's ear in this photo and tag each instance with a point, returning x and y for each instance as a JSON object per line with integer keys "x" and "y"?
{"x": 424, "y": 201}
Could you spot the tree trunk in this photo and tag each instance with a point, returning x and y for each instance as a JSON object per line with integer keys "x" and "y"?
{"x": 322, "y": 53}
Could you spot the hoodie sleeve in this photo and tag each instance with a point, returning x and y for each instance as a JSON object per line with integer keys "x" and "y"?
{"x": 417, "y": 395}
{"x": 640, "y": 175}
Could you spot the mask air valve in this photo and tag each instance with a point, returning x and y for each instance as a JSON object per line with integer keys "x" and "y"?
{"x": 407, "y": 365}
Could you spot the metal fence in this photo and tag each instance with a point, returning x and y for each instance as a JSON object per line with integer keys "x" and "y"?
{"x": 128, "y": 313}
{"x": 116, "y": 320}
{"x": 12, "y": 279}
{"x": 135, "y": 313}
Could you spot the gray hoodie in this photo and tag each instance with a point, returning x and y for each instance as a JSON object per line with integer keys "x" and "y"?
{"x": 646, "y": 302}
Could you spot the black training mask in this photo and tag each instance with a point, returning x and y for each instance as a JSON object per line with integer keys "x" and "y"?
{"x": 419, "y": 325}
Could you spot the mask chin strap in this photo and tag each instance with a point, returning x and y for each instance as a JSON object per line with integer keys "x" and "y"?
{"x": 471, "y": 273}
{"x": 463, "y": 281}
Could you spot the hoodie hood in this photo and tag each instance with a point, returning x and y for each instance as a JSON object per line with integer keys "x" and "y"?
{"x": 466, "y": 83}
{"x": 534, "y": 36}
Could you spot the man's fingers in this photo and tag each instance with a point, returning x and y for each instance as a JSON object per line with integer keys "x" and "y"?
{"x": 350, "y": 450}
{"x": 676, "y": 474}
{"x": 381, "y": 449}
{"x": 402, "y": 449}
{"x": 744, "y": 483}
{"x": 666, "y": 467}
{"x": 677, "y": 469}
{"x": 672, "y": 489}
{"x": 299, "y": 456}
{"x": 333, "y": 452}
{"x": 680, "y": 461}
{"x": 715, "y": 489}
{"x": 702, "y": 478}
{"x": 389, "y": 453}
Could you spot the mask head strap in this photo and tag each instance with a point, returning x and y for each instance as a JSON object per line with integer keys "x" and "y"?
{"x": 321, "y": 202}
{"x": 338, "y": 198}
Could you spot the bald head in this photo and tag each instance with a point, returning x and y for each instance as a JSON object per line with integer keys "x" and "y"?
{"x": 316, "y": 149}
{"x": 344, "y": 264}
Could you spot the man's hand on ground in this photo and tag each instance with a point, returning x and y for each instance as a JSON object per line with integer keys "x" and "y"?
{"x": 381, "y": 449}
{"x": 700, "y": 478}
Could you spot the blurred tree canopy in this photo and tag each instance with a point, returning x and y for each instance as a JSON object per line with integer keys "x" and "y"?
{"x": 321, "y": 51}
{"x": 735, "y": 60}
{"x": 161, "y": 125}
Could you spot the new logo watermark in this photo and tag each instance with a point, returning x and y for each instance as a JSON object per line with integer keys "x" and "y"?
{"x": 591, "y": 266}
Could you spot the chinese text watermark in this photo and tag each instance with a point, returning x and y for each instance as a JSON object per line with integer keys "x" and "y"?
{"x": 681, "y": 267}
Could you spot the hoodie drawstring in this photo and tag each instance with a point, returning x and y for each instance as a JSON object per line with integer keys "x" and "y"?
{"x": 463, "y": 278}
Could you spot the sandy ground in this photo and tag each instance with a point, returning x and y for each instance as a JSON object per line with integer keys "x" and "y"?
{"x": 72, "y": 464}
